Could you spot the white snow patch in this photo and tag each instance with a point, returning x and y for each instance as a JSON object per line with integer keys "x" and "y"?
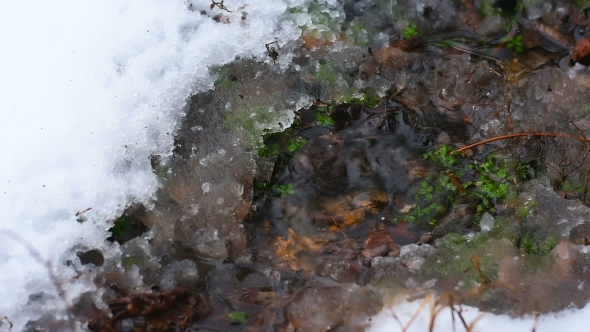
{"x": 568, "y": 320}
{"x": 90, "y": 89}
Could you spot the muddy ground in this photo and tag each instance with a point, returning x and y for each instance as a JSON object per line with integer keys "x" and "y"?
{"x": 406, "y": 149}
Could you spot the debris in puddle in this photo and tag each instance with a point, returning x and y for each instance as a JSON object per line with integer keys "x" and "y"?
{"x": 164, "y": 311}
{"x": 436, "y": 158}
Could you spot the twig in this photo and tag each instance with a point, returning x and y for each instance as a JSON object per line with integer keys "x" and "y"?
{"x": 56, "y": 284}
{"x": 472, "y": 324}
{"x": 586, "y": 187}
{"x": 459, "y": 313}
{"x": 336, "y": 223}
{"x": 415, "y": 315}
{"x": 514, "y": 135}
{"x": 475, "y": 261}
{"x": 456, "y": 182}
{"x": 9, "y": 322}
{"x": 580, "y": 165}
{"x": 83, "y": 211}
{"x": 219, "y": 5}
{"x": 537, "y": 314}
{"x": 210, "y": 328}
{"x": 396, "y": 318}
{"x": 508, "y": 102}
{"x": 557, "y": 170}
{"x": 434, "y": 311}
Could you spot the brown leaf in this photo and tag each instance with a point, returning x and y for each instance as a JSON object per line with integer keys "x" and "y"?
{"x": 162, "y": 311}
{"x": 378, "y": 239}
{"x": 582, "y": 51}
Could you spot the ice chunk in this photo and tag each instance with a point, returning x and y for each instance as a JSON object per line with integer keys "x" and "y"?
{"x": 487, "y": 222}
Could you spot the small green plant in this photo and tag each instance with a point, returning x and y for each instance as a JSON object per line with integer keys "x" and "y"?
{"x": 410, "y": 31}
{"x": 515, "y": 44}
{"x": 586, "y": 109}
{"x": 295, "y": 143}
{"x": 323, "y": 119}
{"x": 268, "y": 151}
{"x": 492, "y": 183}
{"x": 533, "y": 246}
{"x": 284, "y": 189}
{"x": 367, "y": 100}
{"x": 568, "y": 186}
{"x": 487, "y": 9}
{"x": 238, "y": 317}
{"x": 523, "y": 211}
{"x": 487, "y": 181}
{"x": 582, "y": 3}
{"x": 442, "y": 156}
{"x": 276, "y": 143}
{"x": 261, "y": 185}
{"x": 524, "y": 171}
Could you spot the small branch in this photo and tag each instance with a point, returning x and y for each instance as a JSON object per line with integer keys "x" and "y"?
{"x": 9, "y": 322}
{"x": 336, "y": 223}
{"x": 475, "y": 262}
{"x": 219, "y": 5}
{"x": 503, "y": 137}
{"x": 586, "y": 187}
{"x": 557, "y": 170}
{"x": 582, "y": 163}
{"x": 47, "y": 264}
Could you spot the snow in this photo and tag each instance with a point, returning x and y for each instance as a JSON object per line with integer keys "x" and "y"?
{"x": 90, "y": 89}
{"x": 574, "y": 320}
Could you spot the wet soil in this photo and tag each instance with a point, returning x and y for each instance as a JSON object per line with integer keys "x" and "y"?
{"x": 311, "y": 220}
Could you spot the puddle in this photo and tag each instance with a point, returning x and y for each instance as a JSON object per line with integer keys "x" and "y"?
{"x": 307, "y": 219}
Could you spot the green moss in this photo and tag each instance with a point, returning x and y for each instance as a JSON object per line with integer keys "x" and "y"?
{"x": 122, "y": 224}
{"x": 367, "y": 100}
{"x": 277, "y": 143}
{"x": 582, "y": 3}
{"x": 252, "y": 120}
{"x": 535, "y": 243}
{"x": 459, "y": 180}
{"x": 454, "y": 259}
{"x": 442, "y": 156}
{"x": 525, "y": 209}
{"x": 487, "y": 8}
{"x": 569, "y": 186}
{"x": 410, "y": 31}
{"x": 225, "y": 80}
{"x": 455, "y": 251}
{"x": 321, "y": 18}
{"x": 238, "y": 317}
{"x": 586, "y": 109}
{"x": 128, "y": 262}
{"x": 328, "y": 72}
{"x": 358, "y": 34}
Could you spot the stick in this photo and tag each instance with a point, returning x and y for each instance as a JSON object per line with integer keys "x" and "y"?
{"x": 499, "y": 138}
